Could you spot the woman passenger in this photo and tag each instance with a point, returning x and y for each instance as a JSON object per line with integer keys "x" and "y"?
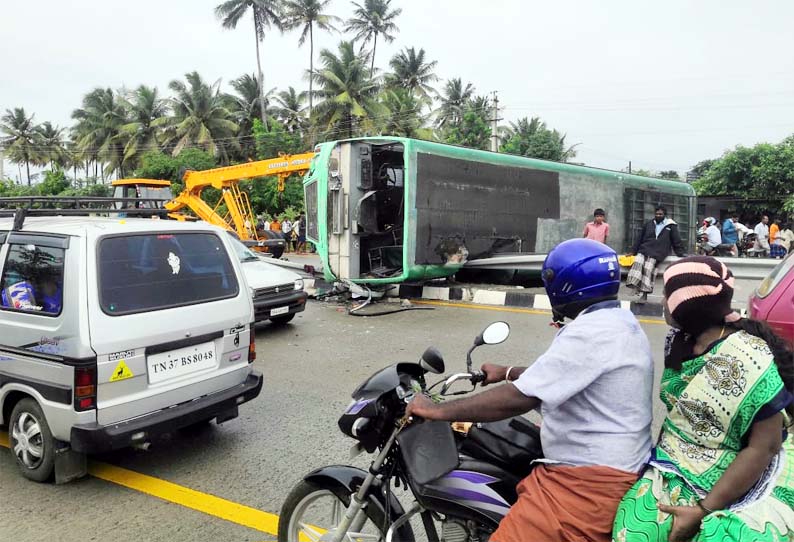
{"x": 719, "y": 471}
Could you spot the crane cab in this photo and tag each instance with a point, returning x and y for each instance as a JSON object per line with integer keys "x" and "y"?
{"x": 142, "y": 193}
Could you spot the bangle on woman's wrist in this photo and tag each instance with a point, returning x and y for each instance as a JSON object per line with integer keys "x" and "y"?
{"x": 507, "y": 374}
{"x": 705, "y": 508}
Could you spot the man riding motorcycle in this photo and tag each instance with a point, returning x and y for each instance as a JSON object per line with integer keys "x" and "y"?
{"x": 593, "y": 388}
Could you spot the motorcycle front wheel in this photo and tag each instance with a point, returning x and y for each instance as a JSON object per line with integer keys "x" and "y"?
{"x": 312, "y": 511}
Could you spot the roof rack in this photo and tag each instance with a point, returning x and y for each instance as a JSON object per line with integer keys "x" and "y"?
{"x": 25, "y": 206}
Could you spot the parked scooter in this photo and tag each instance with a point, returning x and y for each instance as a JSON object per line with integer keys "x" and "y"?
{"x": 465, "y": 478}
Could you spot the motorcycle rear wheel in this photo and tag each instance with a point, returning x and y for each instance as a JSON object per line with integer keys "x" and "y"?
{"x": 299, "y": 519}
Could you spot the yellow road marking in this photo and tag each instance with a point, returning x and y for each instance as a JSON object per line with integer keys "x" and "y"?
{"x": 510, "y": 309}
{"x": 189, "y": 498}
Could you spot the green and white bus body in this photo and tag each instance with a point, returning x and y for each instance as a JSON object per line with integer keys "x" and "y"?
{"x": 391, "y": 209}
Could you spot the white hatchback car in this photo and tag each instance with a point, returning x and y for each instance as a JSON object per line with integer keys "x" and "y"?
{"x": 277, "y": 293}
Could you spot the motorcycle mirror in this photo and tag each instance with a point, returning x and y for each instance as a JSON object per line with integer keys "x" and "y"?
{"x": 493, "y": 334}
{"x": 432, "y": 361}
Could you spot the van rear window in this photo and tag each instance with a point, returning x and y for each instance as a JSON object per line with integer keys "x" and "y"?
{"x": 141, "y": 273}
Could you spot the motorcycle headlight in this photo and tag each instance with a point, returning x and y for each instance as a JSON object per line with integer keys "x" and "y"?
{"x": 298, "y": 284}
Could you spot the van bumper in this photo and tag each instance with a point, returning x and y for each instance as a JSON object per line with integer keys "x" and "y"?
{"x": 95, "y": 438}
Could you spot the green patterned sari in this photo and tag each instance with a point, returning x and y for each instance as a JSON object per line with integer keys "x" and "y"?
{"x": 712, "y": 403}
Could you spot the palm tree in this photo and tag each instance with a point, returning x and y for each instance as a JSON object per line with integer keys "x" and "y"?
{"x": 305, "y": 14}
{"x": 454, "y": 98}
{"x": 290, "y": 109}
{"x": 404, "y": 118}
{"x": 142, "y": 133}
{"x": 20, "y": 137}
{"x": 372, "y": 19}
{"x": 266, "y": 14}
{"x": 99, "y": 127}
{"x": 348, "y": 94}
{"x": 246, "y": 106}
{"x": 52, "y": 146}
{"x": 200, "y": 117}
{"x": 411, "y": 71}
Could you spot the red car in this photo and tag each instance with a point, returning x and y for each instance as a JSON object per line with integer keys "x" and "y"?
{"x": 773, "y": 301}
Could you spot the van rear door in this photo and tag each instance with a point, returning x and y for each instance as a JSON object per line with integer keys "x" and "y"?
{"x": 170, "y": 320}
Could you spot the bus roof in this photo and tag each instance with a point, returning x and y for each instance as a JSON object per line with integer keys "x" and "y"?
{"x": 142, "y": 182}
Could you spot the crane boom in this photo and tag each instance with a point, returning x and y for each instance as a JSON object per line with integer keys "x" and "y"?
{"x": 283, "y": 167}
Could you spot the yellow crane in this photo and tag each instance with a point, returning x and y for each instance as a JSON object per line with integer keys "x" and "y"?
{"x": 239, "y": 216}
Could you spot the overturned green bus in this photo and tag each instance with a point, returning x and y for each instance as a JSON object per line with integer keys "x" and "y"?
{"x": 391, "y": 209}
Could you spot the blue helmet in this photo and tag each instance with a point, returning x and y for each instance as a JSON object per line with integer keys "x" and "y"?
{"x": 578, "y": 273}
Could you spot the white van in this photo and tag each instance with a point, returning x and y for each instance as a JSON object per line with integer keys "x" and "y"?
{"x": 114, "y": 331}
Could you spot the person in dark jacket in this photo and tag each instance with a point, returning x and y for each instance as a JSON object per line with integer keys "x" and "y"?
{"x": 656, "y": 239}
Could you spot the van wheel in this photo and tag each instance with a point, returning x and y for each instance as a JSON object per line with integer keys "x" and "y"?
{"x": 31, "y": 441}
{"x": 282, "y": 320}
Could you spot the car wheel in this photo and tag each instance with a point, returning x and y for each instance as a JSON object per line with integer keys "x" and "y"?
{"x": 31, "y": 441}
{"x": 277, "y": 252}
{"x": 282, "y": 320}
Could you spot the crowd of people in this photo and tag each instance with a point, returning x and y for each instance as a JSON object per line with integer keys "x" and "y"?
{"x": 294, "y": 231}
{"x": 733, "y": 238}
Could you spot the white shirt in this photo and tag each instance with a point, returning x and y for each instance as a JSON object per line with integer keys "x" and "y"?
{"x": 714, "y": 235}
{"x": 286, "y": 226}
{"x": 296, "y": 227}
{"x": 595, "y": 384}
{"x": 267, "y": 224}
{"x": 762, "y": 231}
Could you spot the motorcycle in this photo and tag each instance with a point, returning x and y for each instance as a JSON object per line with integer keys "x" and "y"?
{"x": 461, "y": 476}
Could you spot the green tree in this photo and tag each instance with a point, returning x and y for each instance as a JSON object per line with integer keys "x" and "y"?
{"x": 671, "y": 175}
{"x": 454, "y": 99}
{"x": 158, "y": 165}
{"x": 305, "y": 15}
{"x": 54, "y": 183}
{"x": 762, "y": 172}
{"x": 375, "y": 18}
{"x": 200, "y": 118}
{"x": 532, "y": 138}
{"x": 348, "y": 93}
{"x": 266, "y": 14}
{"x": 99, "y": 128}
{"x": 275, "y": 140}
{"x": 473, "y": 130}
{"x": 52, "y": 148}
{"x": 145, "y": 110}
{"x": 20, "y": 137}
{"x": 290, "y": 110}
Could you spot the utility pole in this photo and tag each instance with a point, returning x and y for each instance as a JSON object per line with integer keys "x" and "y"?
{"x": 629, "y": 167}
{"x": 495, "y": 126}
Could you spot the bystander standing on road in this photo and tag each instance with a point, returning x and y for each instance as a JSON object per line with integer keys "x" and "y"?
{"x": 786, "y": 237}
{"x": 598, "y": 229}
{"x": 275, "y": 225}
{"x": 286, "y": 227}
{"x": 300, "y": 233}
{"x": 266, "y": 224}
{"x": 730, "y": 234}
{"x": 775, "y": 248}
{"x": 762, "y": 237}
{"x": 658, "y": 237}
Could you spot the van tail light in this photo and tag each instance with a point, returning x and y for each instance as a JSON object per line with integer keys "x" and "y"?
{"x": 85, "y": 388}
{"x": 252, "y": 344}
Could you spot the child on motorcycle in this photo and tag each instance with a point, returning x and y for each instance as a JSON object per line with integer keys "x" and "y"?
{"x": 593, "y": 389}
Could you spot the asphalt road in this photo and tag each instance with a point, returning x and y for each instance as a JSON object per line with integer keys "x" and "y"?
{"x": 310, "y": 369}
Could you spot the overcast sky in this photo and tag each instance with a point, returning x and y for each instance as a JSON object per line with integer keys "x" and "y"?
{"x": 663, "y": 84}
